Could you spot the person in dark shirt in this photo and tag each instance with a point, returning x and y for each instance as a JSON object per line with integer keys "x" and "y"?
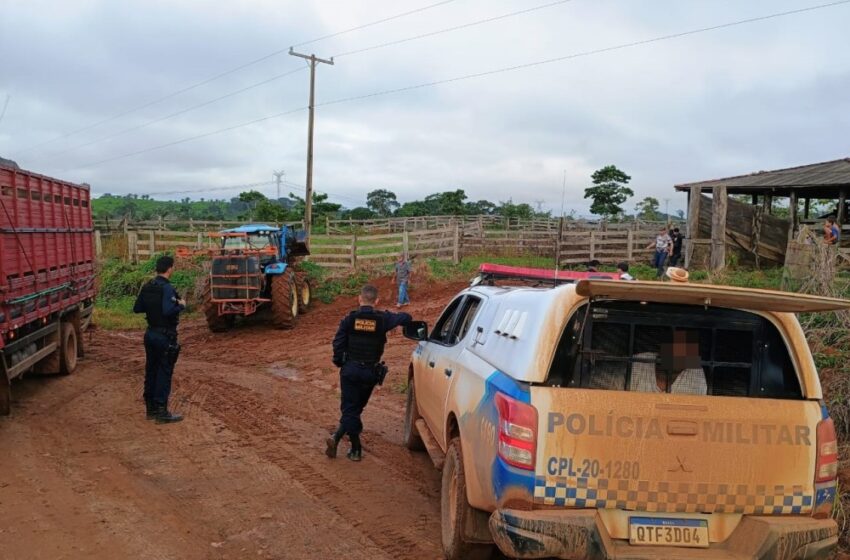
{"x": 162, "y": 306}
{"x": 677, "y": 238}
{"x": 357, "y": 350}
{"x": 831, "y": 232}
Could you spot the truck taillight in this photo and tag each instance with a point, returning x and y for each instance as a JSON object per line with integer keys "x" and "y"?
{"x": 826, "y": 465}
{"x": 517, "y": 432}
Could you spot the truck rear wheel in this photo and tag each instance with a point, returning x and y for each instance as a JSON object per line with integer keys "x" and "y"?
{"x": 305, "y": 291}
{"x": 215, "y": 322}
{"x": 64, "y": 359}
{"x": 411, "y": 437}
{"x": 455, "y": 510}
{"x": 284, "y": 301}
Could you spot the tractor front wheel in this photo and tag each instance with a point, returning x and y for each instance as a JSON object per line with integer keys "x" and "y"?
{"x": 284, "y": 301}
{"x": 215, "y": 322}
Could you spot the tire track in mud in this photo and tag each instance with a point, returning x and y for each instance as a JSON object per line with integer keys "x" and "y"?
{"x": 390, "y": 515}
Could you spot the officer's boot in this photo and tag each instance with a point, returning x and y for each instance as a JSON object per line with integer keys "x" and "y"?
{"x": 151, "y": 409}
{"x": 356, "y": 452}
{"x": 333, "y": 441}
{"x": 163, "y": 416}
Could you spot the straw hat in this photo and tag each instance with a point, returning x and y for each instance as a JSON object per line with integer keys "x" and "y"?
{"x": 677, "y": 274}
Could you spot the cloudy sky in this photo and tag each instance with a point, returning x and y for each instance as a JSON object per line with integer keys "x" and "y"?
{"x": 94, "y": 94}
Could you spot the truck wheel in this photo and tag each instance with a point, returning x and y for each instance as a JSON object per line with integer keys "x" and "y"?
{"x": 455, "y": 510}
{"x": 68, "y": 349}
{"x": 305, "y": 291}
{"x": 411, "y": 437}
{"x": 284, "y": 301}
{"x": 215, "y": 322}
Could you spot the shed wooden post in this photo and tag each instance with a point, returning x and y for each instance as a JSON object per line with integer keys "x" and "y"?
{"x": 792, "y": 210}
{"x": 842, "y": 199}
{"x": 806, "y": 202}
{"x": 767, "y": 203}
{"x": 718, "y": 228}
{"x": 694, "y": 198}
{"x": 755, "y": 199}
{"x": 98, "y": 244}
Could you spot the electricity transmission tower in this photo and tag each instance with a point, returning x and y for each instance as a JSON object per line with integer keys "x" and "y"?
{"x": 278, "y": 175}
{"x": 312, "y": 60}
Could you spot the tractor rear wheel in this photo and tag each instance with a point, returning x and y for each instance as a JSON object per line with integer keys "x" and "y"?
{"x": 284, "y": 301}
{"x": 215, "y": 322}
{"x": 305, "y": 291}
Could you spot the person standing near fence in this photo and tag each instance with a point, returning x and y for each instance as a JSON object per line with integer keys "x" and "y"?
{"x": 663, "y": 247}
{"x": 677, "y": 238}
{"x": 401, "y": 277}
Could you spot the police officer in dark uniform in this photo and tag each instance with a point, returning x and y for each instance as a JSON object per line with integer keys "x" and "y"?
{"x": 161, "y": 305}
{"x": 358, "y": 346}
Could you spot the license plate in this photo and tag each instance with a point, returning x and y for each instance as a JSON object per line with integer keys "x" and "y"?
{"x": 658, "y": 531}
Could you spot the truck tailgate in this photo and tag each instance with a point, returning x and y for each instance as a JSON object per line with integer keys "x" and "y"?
{"x": 674, "y": 453}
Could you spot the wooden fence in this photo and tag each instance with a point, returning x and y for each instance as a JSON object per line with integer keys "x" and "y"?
{"x": 144, "y": 244}
{"x": 566, "y": 247}
{"x": 551, "y": 225}
{"x": 125, "y": 225}
{"x": 368, "y": 251}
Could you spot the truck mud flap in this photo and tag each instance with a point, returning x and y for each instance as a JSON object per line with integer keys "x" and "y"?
{"x": 5, "y": 389}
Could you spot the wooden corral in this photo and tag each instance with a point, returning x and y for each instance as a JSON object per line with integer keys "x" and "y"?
{"x": 720, "y": 226}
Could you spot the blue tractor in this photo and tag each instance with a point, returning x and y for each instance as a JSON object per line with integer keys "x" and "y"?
{"x": 254, "y": 268}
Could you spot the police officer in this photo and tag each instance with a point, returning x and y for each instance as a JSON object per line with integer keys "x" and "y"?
{"x": 161, "y": 305}
{"x": 358, "y": 346}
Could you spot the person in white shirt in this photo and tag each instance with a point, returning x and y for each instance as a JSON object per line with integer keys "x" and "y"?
{"x": 663, "y": 247}
{"x": 623, "y": 269}
{"x": 681, "y": 359}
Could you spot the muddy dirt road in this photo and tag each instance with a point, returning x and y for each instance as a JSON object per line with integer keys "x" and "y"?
{"x": 84, "y": 475}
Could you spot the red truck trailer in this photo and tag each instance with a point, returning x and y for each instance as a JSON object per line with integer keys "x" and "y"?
{"x": 47, "y": 274}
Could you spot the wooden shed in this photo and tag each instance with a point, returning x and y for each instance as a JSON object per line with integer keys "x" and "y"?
{"x": 716, "y": 223}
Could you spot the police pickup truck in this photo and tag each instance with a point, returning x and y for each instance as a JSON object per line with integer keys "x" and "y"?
{"x": 585, "y": 417}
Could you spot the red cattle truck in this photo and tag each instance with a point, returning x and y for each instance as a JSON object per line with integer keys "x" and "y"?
{"x": 47, "y": 275}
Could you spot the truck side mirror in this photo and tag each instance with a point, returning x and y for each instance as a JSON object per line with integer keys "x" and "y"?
{"x": 416, "y": 330}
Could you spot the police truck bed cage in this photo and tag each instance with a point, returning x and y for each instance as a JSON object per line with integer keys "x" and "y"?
{"x": 489, "y": 273}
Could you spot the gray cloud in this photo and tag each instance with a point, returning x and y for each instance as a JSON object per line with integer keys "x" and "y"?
{"x": 761, "y": 96}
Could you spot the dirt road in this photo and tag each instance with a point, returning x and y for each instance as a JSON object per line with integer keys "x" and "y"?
{"x": 84, "y": 475}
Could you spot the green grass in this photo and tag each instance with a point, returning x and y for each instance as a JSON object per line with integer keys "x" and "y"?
{"x": 117, "y": 314}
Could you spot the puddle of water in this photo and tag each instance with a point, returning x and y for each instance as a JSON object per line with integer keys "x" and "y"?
{"x": 284, "y": 372}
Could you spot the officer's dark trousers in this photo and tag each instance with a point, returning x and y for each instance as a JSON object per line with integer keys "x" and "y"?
{"x": 158, "y": 367}
{"x": 356, "y": 381}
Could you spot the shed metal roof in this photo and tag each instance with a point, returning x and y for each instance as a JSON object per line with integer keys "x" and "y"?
{"x": 819, "y": 180}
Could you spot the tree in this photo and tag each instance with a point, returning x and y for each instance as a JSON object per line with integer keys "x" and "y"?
{"x": 481, "y": 207}
{"x": 382, "y": 202}
{"x": 359, "y": 213}
{"x": 446, "y": 203}
{"x": 608, "y": 192}
{"x": 523, "y": 211}
{"x": 252, "y": 199}
{"x": 647, "y": 209}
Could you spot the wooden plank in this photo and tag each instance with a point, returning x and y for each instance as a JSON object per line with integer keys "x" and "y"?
{"x": 718, "y": 228}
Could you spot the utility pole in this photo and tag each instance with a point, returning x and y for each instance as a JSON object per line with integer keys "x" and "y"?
{"x": 278, "y": 175}
{"x": 312, "y": 60}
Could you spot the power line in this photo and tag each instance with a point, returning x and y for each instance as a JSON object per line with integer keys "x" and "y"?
{"x": 365, "y": 25}
{"x": 450, "y": 29}
{"x": 464, "y": 77}
{"x": 227, "y": 73}
{"x": 178, "y": 113}
{"x": 263, "y": 82}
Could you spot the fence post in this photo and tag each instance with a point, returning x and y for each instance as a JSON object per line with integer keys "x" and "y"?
{"x": 98, "y": 244}
{"x": 405, "y": 244}
{"x": 151, "y": 242}
{"x": 592, "y": 245}
{"x": 558, "y": 243}
{"x": 630, "y": 240}
{"x": 456, "y": 254}
{"x": 200, "y": 244}
{"x": 132, "y": 246}
{"x": 353, "y": 250}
